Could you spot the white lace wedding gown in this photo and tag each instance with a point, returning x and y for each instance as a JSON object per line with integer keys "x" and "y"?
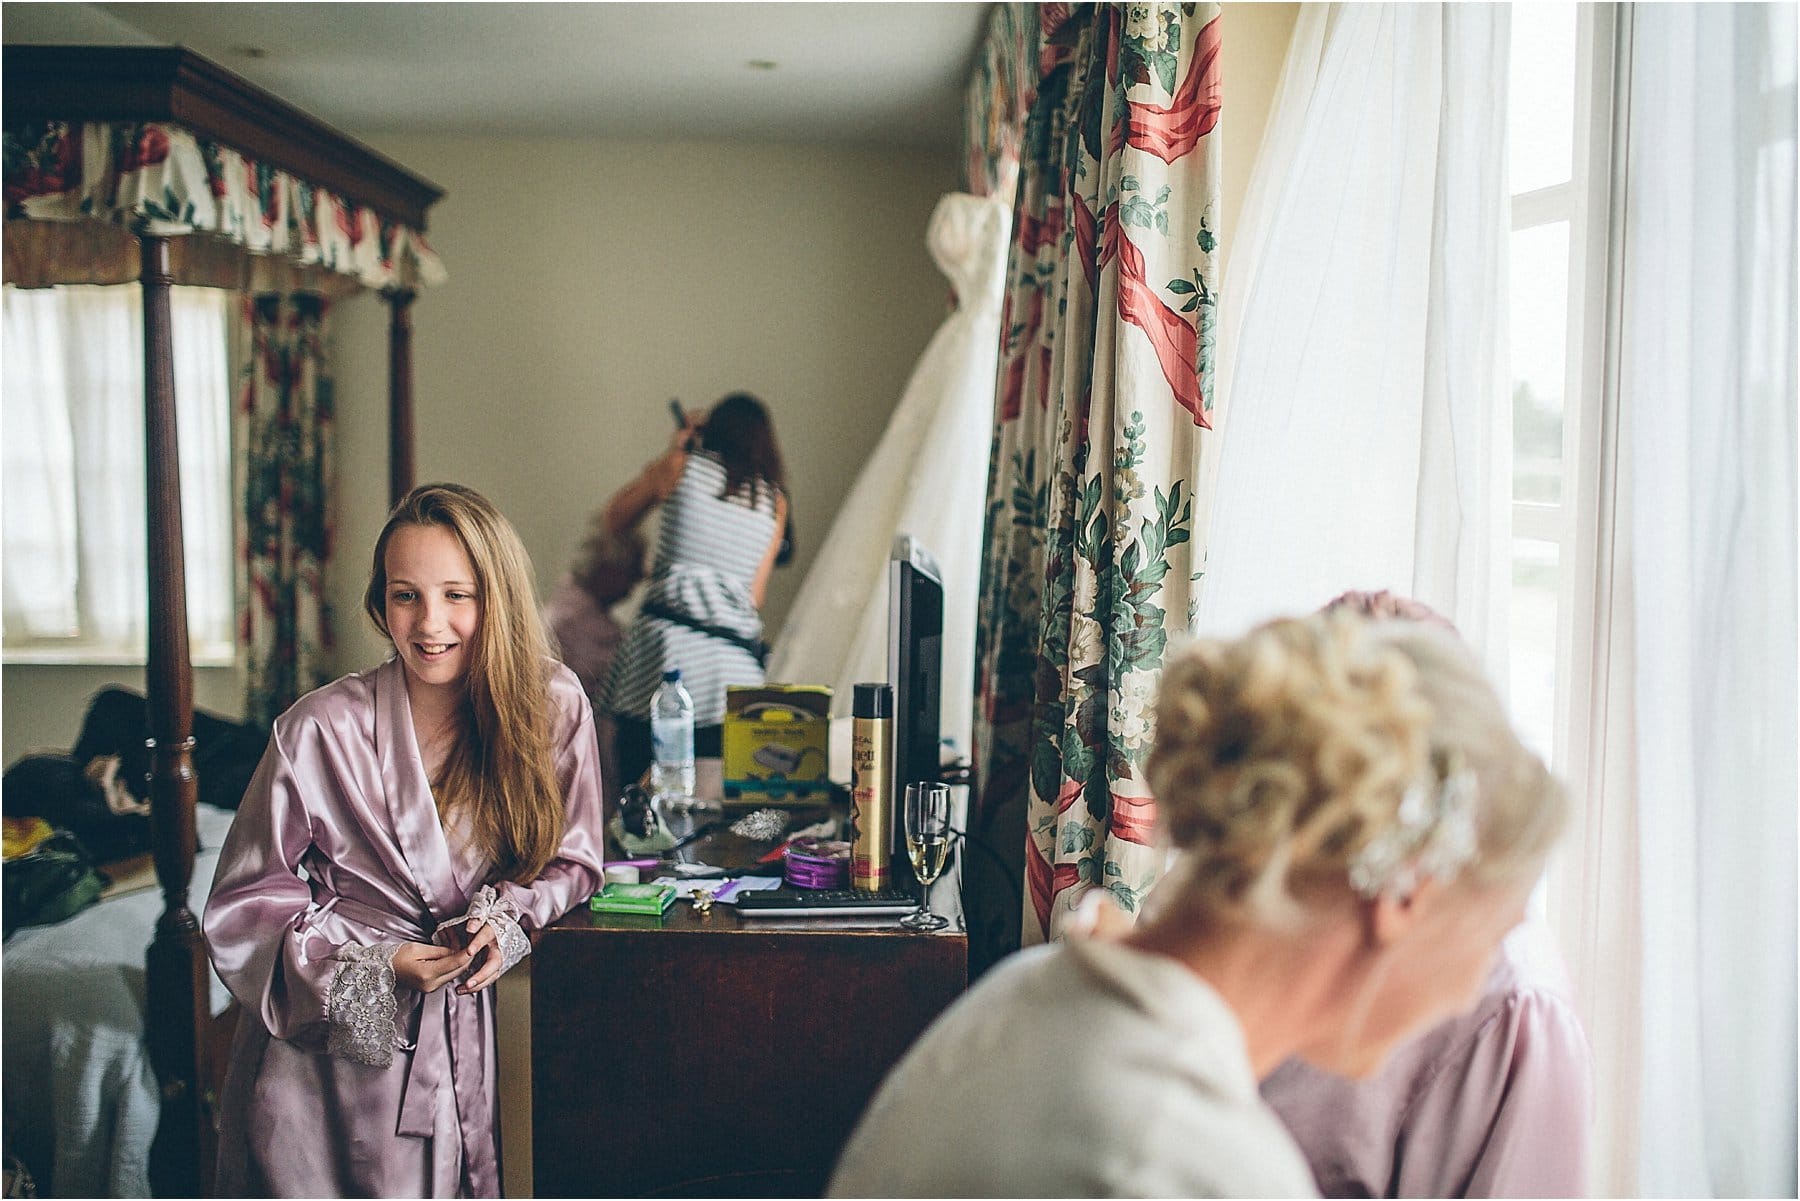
{"x": 927, "y": 478}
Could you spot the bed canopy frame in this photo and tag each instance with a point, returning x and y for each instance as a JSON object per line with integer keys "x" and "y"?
{"x": 347, "y": 219}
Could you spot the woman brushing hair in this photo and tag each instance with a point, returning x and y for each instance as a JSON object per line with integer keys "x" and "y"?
{"x": 724, "y": 508}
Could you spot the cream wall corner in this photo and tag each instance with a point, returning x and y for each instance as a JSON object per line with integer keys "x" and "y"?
{"x": 1254, "y": 47}
{"x": 41, "y": 705}
{"x": 592, "y": 280}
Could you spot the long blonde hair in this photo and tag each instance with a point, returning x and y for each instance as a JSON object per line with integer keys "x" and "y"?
{"x": 501, "y": 773}
{"x": 1278, "y": 756}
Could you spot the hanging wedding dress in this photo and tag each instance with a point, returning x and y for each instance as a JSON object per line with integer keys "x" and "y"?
{"x": 927, "y": 478}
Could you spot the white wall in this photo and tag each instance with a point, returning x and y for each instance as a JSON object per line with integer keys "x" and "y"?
{"x": 592, "y": 280}
{"x": 41, "y": 706}
{"x": 1256, "y": 42}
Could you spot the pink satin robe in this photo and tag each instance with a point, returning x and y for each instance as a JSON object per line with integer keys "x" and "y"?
{"x": 338, "y": 842}
{"x": 1494, "y": 1102}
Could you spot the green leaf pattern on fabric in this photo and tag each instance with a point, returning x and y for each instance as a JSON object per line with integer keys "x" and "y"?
{"x": 1152, "y": 37}
{"x": 999, "y": 94}
{"x": 163, "y": 179}
{"x": 1096, "y": 487}
{"x": 285, "y": 426}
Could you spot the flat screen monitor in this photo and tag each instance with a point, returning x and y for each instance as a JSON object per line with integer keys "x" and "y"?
{"x": 915, "y": 663}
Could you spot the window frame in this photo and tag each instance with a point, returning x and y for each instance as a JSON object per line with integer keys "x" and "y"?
{"x": 1590, "y": 417}
{"x": 1578, "y": 523}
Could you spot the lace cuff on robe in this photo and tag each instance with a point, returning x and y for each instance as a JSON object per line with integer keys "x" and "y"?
{"x": 360, "y": 1005}
{"x": 491, "y": 909}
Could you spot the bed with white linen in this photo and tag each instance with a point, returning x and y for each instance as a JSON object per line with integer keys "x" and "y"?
{"x": 81, "y": 1101}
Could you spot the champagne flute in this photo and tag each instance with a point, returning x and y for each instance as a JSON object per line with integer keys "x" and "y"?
{"x": 927, "y": 845}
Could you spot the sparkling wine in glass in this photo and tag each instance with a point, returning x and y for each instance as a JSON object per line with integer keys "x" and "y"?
{"x": 927, "y": 820}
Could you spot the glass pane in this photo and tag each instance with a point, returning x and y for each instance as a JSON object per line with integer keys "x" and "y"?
{"x": 1540, "y": 326}
{"x": 73, "y": 470}
{"x": 1541, "y": 106}
{"x": 1532, "y": 634}
{"x": 37, "y": 466}
{"x": 201, "y": 319}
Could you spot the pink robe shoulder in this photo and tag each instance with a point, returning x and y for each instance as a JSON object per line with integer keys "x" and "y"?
{"x": 1495, "y": 1102}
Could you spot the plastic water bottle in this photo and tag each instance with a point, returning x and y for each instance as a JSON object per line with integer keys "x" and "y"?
{"x": 672, "y": 743}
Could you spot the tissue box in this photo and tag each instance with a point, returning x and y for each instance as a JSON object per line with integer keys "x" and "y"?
{"x": 775, "y": 743}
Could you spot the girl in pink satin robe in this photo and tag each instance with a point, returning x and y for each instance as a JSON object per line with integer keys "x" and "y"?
{"x": 407, "y": 826}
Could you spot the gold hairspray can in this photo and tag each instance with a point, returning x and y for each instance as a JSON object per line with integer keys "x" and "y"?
{"x": 872, "y": 786}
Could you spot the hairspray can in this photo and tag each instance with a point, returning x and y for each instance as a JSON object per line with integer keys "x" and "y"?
{"x": 871, "y": 785}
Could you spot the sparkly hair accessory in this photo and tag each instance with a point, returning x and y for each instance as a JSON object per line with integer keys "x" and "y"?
{"x": 761, "y": 825}
{"x": 1433, "y": 837}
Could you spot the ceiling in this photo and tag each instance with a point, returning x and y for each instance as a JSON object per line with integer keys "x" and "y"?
{"x": 866, "y": 73}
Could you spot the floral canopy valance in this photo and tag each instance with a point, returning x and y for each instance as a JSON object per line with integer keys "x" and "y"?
{"x": 159, "y": 178}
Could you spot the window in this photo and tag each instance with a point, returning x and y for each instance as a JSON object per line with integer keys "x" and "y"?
{"x": 72, "y": 534}
{"x": 1668, "y": 692}
{"x": 1550, "y": 204}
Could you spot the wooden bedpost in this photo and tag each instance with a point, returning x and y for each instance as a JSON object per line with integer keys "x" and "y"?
{"x": 400, "y": 407}
{"x": 178, "y": 1006}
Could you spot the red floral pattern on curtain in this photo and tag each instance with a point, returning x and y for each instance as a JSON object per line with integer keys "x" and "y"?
{"x": 163, "y": 179}
{"x": 284, "y": 430}
{"x": 1096, "y": 500}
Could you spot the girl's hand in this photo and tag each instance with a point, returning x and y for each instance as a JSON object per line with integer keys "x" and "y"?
{"x": 427, "y": 967}
{"x": 484, "y": 949}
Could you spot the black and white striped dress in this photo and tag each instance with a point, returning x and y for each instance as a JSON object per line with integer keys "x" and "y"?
{"x": 707, "y": 557}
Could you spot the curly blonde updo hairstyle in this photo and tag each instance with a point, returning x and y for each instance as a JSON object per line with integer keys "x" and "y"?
{"x": 1281, "y": 754}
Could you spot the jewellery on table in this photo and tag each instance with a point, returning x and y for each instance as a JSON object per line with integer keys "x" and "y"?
{"x": 761, "y": 825}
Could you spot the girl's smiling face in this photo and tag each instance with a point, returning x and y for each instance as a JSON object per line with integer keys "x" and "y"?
{"x": 433, "y": 607}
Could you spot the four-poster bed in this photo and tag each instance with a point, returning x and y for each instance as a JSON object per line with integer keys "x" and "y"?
{"x": 220, "y": 183}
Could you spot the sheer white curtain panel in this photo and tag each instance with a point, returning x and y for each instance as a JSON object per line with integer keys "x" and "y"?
{"x": 1364, "y": 328}
{"x": 1705, "y": 596}
{"x": 74, "y": 530}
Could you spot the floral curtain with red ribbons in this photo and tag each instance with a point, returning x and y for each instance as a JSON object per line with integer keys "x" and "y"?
{"x": 284, "y": 432}
{"x": 162, "y": 179}
{"x": 1096, "y": 498}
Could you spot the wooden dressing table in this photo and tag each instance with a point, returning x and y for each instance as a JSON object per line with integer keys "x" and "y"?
{"x": 715, "y": 1055}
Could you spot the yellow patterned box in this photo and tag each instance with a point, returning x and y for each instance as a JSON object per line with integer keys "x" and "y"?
{"x": 775, "y": 743}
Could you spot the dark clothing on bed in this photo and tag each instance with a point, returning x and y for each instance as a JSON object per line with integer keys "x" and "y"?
{"x": 225, "y": 752}
{"x": 57, "y": 789}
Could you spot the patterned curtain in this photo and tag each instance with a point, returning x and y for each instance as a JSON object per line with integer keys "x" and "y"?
{"x": 1095, "y": 484}
{"x": 284, "y": 429}
{"x": 164, "y": 180}
{"x": 998, "y": 98}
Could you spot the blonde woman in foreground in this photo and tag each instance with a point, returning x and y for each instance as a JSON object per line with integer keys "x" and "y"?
{"x": 1356, "y": 826}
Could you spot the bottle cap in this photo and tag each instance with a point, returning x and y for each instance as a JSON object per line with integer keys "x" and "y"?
{"x": 873, "y": 700}
{"x": 671, "y": 675}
